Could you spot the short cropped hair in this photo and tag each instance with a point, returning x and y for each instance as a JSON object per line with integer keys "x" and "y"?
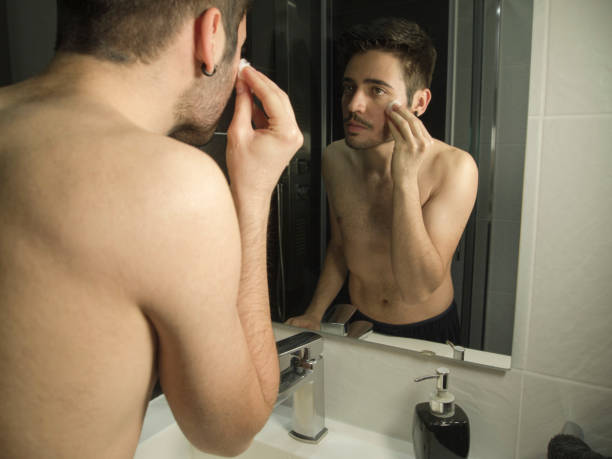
{"x": 126, "y": 31}
{"x": 404, "y": 39}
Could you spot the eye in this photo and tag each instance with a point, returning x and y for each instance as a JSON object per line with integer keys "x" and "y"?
{"x": 378, "y": 91}
{"x": 347, "y": 89}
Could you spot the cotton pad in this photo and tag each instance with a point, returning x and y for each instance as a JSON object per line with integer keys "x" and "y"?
{"x": 392, "y": 104}
{"x": 243, "y": 63}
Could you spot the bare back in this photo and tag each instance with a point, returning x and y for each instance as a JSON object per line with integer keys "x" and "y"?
{"x": 362, "y": 203}
{"x": 77, "y": 353}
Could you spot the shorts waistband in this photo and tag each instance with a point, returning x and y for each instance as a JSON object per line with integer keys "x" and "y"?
{"x": 453, "y": 306}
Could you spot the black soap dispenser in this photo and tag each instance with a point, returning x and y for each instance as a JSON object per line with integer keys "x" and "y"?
{"x": 440, "y": 429}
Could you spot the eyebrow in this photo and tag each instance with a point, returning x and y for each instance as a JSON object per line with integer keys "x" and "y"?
{"x": 369, "y": 80}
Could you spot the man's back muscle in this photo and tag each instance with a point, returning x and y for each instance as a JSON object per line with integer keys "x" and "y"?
{"x": 76, "y": 351}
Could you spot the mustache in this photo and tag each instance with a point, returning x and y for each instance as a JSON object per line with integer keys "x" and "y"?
{"x": 358, "y": 119}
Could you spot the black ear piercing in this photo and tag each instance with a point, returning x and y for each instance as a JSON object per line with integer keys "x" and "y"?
{"x": 207, "y": 73}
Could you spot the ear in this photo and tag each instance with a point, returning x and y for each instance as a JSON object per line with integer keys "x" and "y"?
{"x": 209, "y": 38}
{"x": 420, "y": 101}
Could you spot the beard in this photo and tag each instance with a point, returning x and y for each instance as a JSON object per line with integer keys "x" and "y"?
{"x": 363, "y": 142}
{"x": 200, "y": 107}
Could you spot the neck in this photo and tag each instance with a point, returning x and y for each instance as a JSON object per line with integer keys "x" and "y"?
{"x": 141, "y": 93}
{"x": 377, "y": 160}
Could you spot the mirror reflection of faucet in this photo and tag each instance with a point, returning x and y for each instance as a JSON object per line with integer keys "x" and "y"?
{"x": 458, "y": 351}
{"x": 301, "y": 376}
{"x": 337, "y": 322}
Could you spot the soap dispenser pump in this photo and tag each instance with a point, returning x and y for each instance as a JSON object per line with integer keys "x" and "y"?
{"x": 440, "y": 428}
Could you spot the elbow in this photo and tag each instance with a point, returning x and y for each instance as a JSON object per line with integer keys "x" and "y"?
{"x": 230, "y": 440}
{"x": 230, "y": 449}
{"x": 420, "y": 292}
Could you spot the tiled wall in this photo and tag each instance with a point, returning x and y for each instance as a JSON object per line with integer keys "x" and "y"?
{"x": 566, "y": 247}
{"x": 562, "y": 352}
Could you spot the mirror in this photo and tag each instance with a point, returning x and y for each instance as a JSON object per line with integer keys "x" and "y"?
{"x": 477, "y": 42}
{"x": 479, "y": 104}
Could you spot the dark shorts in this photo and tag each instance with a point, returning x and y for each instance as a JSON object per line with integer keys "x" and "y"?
{"x": 440, "y": 328}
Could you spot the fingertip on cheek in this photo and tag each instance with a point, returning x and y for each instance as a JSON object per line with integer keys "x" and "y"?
{"x": 391, "y": 106}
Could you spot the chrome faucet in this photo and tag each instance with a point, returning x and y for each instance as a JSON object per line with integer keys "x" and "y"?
{"x": 337, "y": 322}
{"x": 301, "y": 375}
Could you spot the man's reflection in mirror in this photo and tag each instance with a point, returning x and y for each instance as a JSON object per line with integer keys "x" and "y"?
{"x": 399, "y": 200}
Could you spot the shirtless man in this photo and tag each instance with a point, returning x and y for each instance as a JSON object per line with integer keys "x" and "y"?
{"x": 125, "y": 255}
{"x": 399, "y": 200}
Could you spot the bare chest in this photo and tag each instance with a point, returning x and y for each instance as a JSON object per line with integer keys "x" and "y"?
{"x": 364, "y": 212}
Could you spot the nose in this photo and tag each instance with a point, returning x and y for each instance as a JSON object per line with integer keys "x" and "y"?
{"x": 356, "y": 102}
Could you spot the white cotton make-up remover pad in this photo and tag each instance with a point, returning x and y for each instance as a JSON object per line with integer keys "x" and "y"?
{"x": 243, "y": 63}
{"x": 392, "y": 104}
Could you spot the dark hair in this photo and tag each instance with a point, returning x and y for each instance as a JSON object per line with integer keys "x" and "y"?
{"x": 135, "y": 30}
{"x": 403, "y": 38}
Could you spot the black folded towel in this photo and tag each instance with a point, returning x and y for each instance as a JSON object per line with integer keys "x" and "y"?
{"x": 569, "y": 447}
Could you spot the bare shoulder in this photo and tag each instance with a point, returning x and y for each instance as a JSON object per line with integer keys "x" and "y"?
{"x": 452, "y": 165}
{"x": 180, "y": 180}
{"x": 336, "y": 159}
{"x": 173, "y": 212}
{"x": 180, "y": 167}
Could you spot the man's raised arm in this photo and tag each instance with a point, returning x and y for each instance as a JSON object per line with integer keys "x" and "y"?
{"x": 207, "y": 294}
{"x": 425, "y": 238}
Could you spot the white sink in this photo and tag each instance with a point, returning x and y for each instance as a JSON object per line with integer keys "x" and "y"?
{"x": 162, "y": 439}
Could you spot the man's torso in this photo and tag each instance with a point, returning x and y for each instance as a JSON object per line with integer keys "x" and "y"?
{"x": 363, "y": 204}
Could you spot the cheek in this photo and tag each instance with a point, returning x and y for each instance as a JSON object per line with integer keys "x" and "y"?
{"x": 378, "y": 114}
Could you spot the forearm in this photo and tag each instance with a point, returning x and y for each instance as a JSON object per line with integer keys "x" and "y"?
{"x": 253, "y": 300}
{"x": 417, "y": 265}
{"x": 330, "y": 282}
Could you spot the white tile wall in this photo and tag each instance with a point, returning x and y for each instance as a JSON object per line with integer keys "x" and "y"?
{"x": 579, "y": 72}
{"x": 562, "y": 369}
{"x": 549, "y": 402}
{"x": 572, "y": 296}
{"x": 564, "y": 298}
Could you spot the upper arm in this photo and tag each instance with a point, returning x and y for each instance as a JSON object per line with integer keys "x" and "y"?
{"x": 447, "y": 211}
{"x": 190, "y": 272}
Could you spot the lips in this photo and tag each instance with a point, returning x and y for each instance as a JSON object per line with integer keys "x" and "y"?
{"x": 354, "y": 127}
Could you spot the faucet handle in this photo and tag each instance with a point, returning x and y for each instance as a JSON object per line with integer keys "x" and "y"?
{"x": 303, "y": 340}
{"x": 337, "y": 321}
{"x": 303, "y": 347}
{"x": 458, "y": 351}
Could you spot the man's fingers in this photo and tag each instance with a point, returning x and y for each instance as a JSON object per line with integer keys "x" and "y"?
{"x": 407, "y": 121}
{"x": 412, "y": 119}
{"x": 395, "y": 133}
{"x": 242, "y": 107}
{"x": 402, "y": 127}
{"x": 266, "y": 91}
